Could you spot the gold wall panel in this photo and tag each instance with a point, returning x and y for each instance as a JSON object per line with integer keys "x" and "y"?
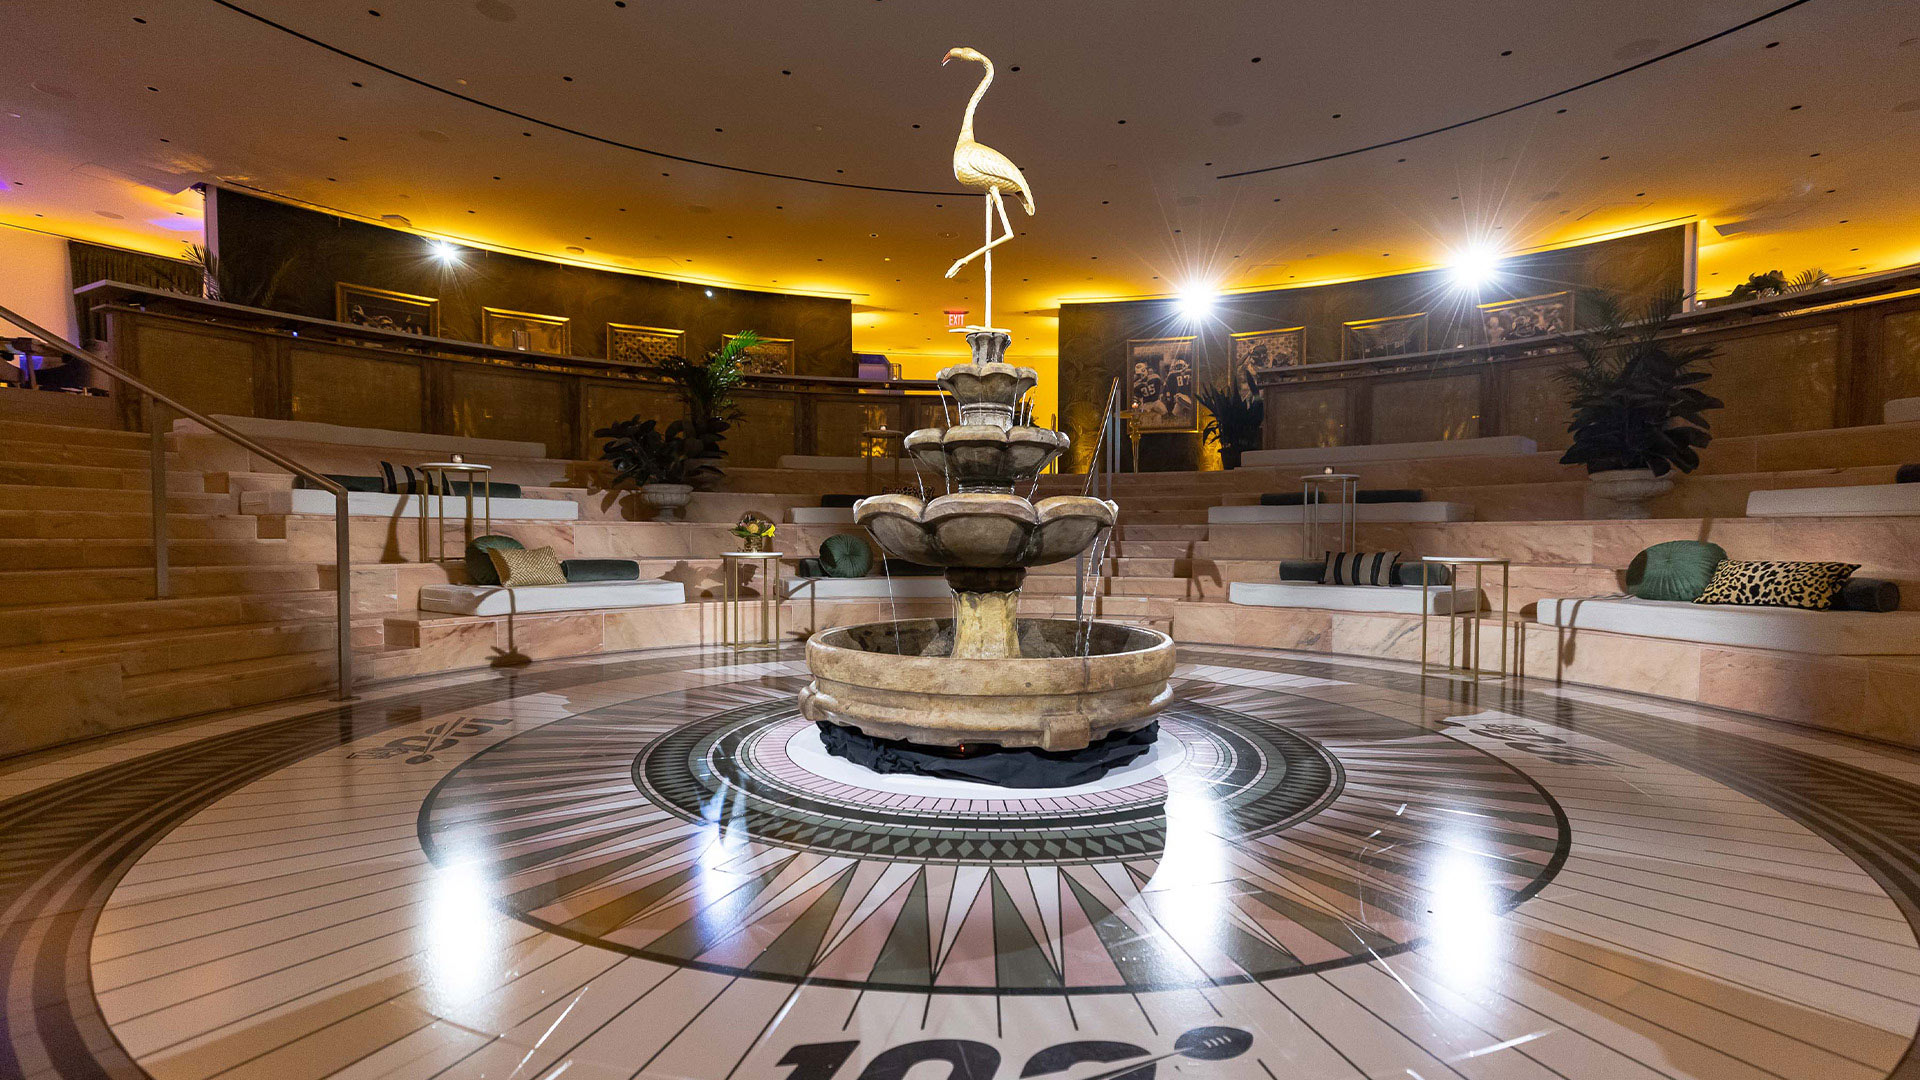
{"x": 335, "y": 387}
{"x": 1427, "y": 410}
{"x": 608, "y": 404}
{"x": 1536, "y": 406}
{"x": 1900, "y": 357}
{"x": 1304, "y": 417}
{"x": 763, "y": 433}
{"x": 202, "y": 370}
{"x": 498, "y": 403}
{"x": 837, "y": 423}
{"x": 1774, "y": 382}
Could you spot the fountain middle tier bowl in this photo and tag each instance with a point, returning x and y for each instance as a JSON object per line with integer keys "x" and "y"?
{"x": 893, "y": 680}
{"x": 984, "y": 456}
{"x": 984, "y": 529}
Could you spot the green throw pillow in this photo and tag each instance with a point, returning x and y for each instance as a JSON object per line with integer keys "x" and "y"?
{"x": 480, "y": 569}
{"x": 1675, "y": 570}
{"x": 845, "y": 555}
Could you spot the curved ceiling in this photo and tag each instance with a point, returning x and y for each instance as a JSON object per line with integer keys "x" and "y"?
{"x": 807, "y": 146}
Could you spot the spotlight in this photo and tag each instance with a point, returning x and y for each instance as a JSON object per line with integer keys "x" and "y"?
{"x": 709, "y": 294}
{"x": 444, "y": 251}
{"x": 1476, "y": 266}
{"x": 1195, "y": 303}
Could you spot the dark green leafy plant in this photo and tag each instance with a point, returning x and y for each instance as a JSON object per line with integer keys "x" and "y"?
{"x": 218, "y": 283}
{"x": 1635, "y": 394}
{"x": 1236, "y": 422}
{"x": 643, "y": 453}
{"x": 1773, "y": 282}
{"x": 707, "y": 387}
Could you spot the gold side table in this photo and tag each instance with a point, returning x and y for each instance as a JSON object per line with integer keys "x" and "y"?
{"x": 1467, "y": 622}
{"x": 434, "y": 474}
{"x": 732, "y": 623}
{"x": 1313, "y": 491}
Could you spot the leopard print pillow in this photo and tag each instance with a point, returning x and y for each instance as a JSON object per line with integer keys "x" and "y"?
{"x": 1809, "y": 585}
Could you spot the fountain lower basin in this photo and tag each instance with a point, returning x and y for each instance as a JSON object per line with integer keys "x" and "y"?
{"x": 898, "y": 680}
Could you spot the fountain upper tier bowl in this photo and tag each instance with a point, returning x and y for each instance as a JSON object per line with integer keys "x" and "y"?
{"x": 897, "y": 680}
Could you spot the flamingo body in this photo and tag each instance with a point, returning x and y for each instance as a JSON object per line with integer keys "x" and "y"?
{"x": 983, "y": 168}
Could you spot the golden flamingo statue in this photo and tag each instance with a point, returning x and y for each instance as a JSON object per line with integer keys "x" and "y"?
{"x": 983, "y": 168}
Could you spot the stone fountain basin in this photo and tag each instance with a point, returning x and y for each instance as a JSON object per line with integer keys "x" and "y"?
{"x": 984, "y": 529}
{"x": 986, "y": 454}
{"x": 921, "y": 695}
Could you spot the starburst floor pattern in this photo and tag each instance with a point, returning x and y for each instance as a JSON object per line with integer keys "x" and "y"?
{"x": 648, "y": 866}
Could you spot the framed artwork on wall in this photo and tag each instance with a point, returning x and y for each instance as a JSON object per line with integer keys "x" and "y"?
{"x": 643, "y": 346}
{"x": 526, "y": 331}
{"x": 1527, "y": 317}
{"x": 1390, "y": 336}
{"x": 772, "y": 356}
{"x": 1160, "y": 385}
{"x": 1267, "y": 349}
{"x": 384, "y": 309}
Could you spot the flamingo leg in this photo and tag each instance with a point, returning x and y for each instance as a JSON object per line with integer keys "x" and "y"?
{"x": 994, "y": 201}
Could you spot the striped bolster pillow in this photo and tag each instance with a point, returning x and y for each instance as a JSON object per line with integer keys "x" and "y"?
{"x": 1361, "y": 567}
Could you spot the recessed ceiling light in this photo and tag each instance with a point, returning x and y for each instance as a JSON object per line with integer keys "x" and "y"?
{"x": 1120, "y": 121}
{"x": 1506, "y": 52}
{"x": 1255, "y": 60}
{"x": 155, "y": 89}
{"x": 566, "y": 78}
{"x": 1015, "y": 67}
{"x": 1816, "y": 153}
{"x": 1793, "y": 108}
{"x": 1772, "y": 44}
{"x": 140, "y": 20}
{"x": 576, "y": 250}
{"x": 359, "y": 84}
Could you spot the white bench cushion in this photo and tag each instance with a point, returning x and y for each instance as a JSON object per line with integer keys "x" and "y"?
{"x": 528, "y": 599}
{"x": 1831, "y": 633}
{"x": 1491, "y": 446}
{"x": 1285, "y": 515}
{"x": 1904, "y": 410}
{"x": 1398, "y": 599}
{"x": 1860, "y": 500}
{"x": 867, "y": 588}
{"x": 380, "y": 504}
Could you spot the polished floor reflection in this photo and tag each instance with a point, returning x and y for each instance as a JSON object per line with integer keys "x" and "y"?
{"x": 647, "y": 866}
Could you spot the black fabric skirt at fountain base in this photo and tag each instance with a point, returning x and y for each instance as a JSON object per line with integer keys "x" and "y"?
{"x": 984, "y": 763}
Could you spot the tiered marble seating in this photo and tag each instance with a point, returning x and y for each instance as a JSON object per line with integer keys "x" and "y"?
{"x": 89, "y": 651}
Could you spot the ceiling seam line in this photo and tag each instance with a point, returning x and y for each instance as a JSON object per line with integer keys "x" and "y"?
{"x": 564, "y": 129}
{"x": 1762, "y": 17}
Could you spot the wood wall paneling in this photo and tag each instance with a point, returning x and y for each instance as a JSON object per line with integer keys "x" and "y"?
{"x": 340, "y": 386}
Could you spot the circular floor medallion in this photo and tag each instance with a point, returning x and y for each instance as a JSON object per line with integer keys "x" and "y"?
{"x": 1241, "y": 850}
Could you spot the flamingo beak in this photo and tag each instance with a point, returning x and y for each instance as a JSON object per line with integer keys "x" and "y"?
{"x": 944, "y": 59}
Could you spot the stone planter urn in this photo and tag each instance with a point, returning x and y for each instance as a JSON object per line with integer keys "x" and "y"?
{"x": 666, "y": 499}
{"x": 1624, "y": 493}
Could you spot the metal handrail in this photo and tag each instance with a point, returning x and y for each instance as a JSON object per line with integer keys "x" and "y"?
{"x": 157, "y": 463}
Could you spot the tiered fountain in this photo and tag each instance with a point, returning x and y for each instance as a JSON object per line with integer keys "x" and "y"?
{"x": 1069, "y": 698}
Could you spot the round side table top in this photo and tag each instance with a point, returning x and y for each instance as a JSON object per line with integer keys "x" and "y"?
{"x": 753, "y": 555}
{"x": 1330, "y": 476}
{"x": 454, "y": 466}
{"x": 1464, "y": 560}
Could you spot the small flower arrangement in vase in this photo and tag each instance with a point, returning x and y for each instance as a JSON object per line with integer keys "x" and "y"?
{"x": 756, "y": 529}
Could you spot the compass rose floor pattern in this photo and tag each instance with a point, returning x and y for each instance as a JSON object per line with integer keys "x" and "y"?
{"x": 647, "y": 866}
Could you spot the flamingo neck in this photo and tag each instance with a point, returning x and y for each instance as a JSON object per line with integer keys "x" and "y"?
{"x": 966, "y": 126}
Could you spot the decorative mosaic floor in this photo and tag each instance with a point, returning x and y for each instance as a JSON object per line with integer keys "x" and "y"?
{"x": 646, "y": 866}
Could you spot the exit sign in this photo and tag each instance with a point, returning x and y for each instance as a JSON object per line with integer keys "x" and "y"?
{"x": 956, "y": 316}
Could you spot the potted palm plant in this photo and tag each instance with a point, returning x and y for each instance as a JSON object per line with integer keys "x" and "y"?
{"x": 1638, "y": 410}
{"x": 707, "y": 388}
{"x": 658, "y": 461}
{"x": 1236, "y": 422}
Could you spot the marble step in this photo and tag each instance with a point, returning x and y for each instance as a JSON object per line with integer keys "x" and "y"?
{"x": 116, "y": 525}
{"x": 50, "y": 453}
{"x": 176, "y": 649}
{"x": 34, "y": 497}
{"x": 62, "y": 553}
{"x": 1128, "y": 566}
{"x": 169, "y": 695}
{"x": 1171, "y": 587}
{"x": 95, "y": 476}
{"x": 28, "y": 431}
{"x": 25, "y": 588}
{"x": 72, "y": 621}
